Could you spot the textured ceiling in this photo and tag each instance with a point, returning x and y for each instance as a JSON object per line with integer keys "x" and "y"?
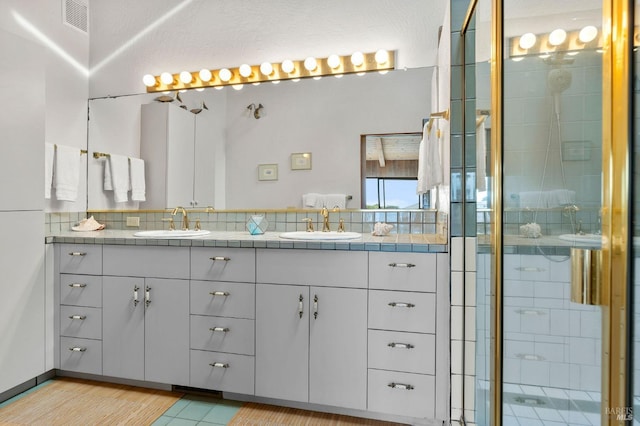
{"x": 131, "y": 38}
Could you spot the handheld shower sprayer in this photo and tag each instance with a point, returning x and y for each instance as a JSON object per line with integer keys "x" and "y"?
{"x": 559, "y": 80}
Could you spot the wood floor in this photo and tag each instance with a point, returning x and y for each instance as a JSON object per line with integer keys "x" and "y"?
{"x": 66, "y": 401}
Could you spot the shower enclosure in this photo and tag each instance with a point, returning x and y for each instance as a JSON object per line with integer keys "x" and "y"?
{"x": 542, "y": 356}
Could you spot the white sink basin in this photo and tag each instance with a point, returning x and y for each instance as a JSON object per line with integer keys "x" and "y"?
{"x": 171, "y": 234}
{"x": 582, "y": 238}
{"x": 320, "y": 236}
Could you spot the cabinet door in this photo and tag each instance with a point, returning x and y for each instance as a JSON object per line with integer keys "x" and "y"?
{"x": 166, "y": 338}
{"x": 338, "y": 347}
{"x": 282, "y": 338}
{"x": 123, "y": 327}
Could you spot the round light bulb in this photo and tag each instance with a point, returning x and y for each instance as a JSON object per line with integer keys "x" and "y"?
{"x": 237, "y": 86}
{"x": 310, "y": 63}
{"x": 166, "y": 78}
{"x": 527, "y": 41}
{"x": 287, "y": 66}
{"x": 333, "y": 61}
{"x": 225, "y": 74}
{"x": 186, "y": 77}
{"x": 245, "y": 70}
{"x": 205, "y": 75}
{"x": 357, "y": 59}
{"x": 382, "y": 57}
{"x": 557, "y": 37}
{"x": 588, "y": 33}
{"x": 149, "y": 80}
{"x": 266, "y": 68}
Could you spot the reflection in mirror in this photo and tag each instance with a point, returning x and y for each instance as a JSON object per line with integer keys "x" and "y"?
{"x": 325, "y": 117}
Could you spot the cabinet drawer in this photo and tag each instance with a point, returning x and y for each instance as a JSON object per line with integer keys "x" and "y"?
{"x": 402, "y": 311}
{"x": 410, "y": 352}
{"x": 81, "y": 290}
{"x": 81, "y": 321}
{"x": 320, "y": 268}
{"x": 402, "y": 271}
{"x": 81, "y": 259}
{"x": 81, "y": 355}
{"x": 403, "y": 394}
{"x": 232, "y": 373}
{"x": 222, "y": 334}
{"x": 223, "y": 299}
{"x": 223, "y": 264}
{"x": 147, "y": 261}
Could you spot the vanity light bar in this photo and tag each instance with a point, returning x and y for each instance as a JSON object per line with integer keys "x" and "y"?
{"x": 381, "y": 60}
{"x": 556, "y": 41}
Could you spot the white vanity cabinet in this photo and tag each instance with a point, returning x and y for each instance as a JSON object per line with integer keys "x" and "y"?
{"x": 311, "y": 343}
{"x": 222, "y": 332}
{"x": 402, "y": 333}
{"x": 80, "y": 309}
{"x": 146, "y": 313}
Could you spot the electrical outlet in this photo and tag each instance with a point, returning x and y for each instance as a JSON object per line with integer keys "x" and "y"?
{"x": 133, "y": 221}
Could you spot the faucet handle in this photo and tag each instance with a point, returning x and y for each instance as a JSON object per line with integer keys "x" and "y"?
{"x": 198, "y": 226}
{"x": 172, "y": 225}
{"x": 341, "y": 225}
{"x": 309, "y": 224}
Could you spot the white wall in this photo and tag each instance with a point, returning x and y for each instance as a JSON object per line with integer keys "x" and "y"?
{"x": 133, "y": 38}
{"x": 66, "y": 76}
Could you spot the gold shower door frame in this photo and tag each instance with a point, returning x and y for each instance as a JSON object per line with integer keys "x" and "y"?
{"x": 615, "y": 272}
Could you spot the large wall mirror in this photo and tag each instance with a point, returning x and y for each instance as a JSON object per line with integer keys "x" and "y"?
{"x": 229, "y": 145}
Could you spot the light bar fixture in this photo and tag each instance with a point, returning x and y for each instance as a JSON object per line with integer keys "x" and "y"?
{"x": 382, "y": 60}
{"x": 557, "y": 41}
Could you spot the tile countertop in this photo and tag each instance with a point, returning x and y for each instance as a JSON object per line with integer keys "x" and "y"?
{"x": 422, "y": 243}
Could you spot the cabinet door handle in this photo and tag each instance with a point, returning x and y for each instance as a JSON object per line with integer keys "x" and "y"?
{"x": 77, "y": 317}
{"x": 77, "y": 253}
{"x": 77, "y": 349}
{"x": 223, "y": 329}
{"x": 135, "y": 295}
{"x": 215, "y": 258}
{"x": 300, "y": 306}
{"x": 401, "y": 305}
{"x": 315, "y": 306}
{"x": 401, "y": 345}
{"x": 219, "y": 293}
{"x": 77, "y": 285}
{"x": 400, "y": 386}
{"x": 219, "y": 365}
{"x": 401, "y": 265}
{"x": 147, "y": 296}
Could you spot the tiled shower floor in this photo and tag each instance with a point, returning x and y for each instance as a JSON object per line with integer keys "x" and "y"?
{"x": 536, "y": 405}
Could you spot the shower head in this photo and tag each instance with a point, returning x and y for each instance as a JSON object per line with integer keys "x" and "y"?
{"x": 559, "y": 80}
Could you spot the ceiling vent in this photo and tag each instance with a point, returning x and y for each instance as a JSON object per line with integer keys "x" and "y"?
{"x": 75, "y": 13}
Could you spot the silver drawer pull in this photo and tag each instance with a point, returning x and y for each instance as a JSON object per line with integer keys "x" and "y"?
{"x": 135, "y": 295}
{"x": 223, "y": 329}
{"x": 147, "y": 296}
{"x": 77, "y": 253}
{"x": 401, "y": 305}
{"x": 301, "y": 306}
{"x": 77, "y": 349}
{"x": 400, "y": 386}
{"x": 219, "y": 365}
{"x": 77, "y": 317}
{"x": 219, "y": 293}
{"x": 226, "y": 259}
{"x": 401, "y": 345}
{"x": 401, "y": 265}
{"x": 77, "y": 285}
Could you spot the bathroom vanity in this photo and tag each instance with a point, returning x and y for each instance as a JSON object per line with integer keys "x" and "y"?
{"x": 340, "y": 327}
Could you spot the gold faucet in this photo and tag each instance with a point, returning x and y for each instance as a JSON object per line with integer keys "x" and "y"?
{"x": 325, "y": 222}
{"x": 185, "y": 218}
{"x": 309, "y": 224}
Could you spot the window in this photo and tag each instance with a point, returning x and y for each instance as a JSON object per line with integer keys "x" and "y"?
{"x": 392, "y": 193}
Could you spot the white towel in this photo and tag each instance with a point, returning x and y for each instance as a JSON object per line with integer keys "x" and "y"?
{"x": 429, "y": 166}
{"x": 67, "y": 172}
{"x": 335, "y": 200}
{"x": 49, "y": 151}
{"x": 138, "y": 185}
{"x": 120, "y": 181}
{"x": 481, "y": 157}
{"x": 561, "y": 197}
{"x": 534, "y": 199}
{"x": 312, "y": 199}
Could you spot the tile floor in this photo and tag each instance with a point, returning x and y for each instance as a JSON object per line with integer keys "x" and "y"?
{"x": 194, "y": 410}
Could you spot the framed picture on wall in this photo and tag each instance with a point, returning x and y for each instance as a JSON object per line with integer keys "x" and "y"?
{"x": 267, "y": 172}
{"x": 301, "y": 161}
